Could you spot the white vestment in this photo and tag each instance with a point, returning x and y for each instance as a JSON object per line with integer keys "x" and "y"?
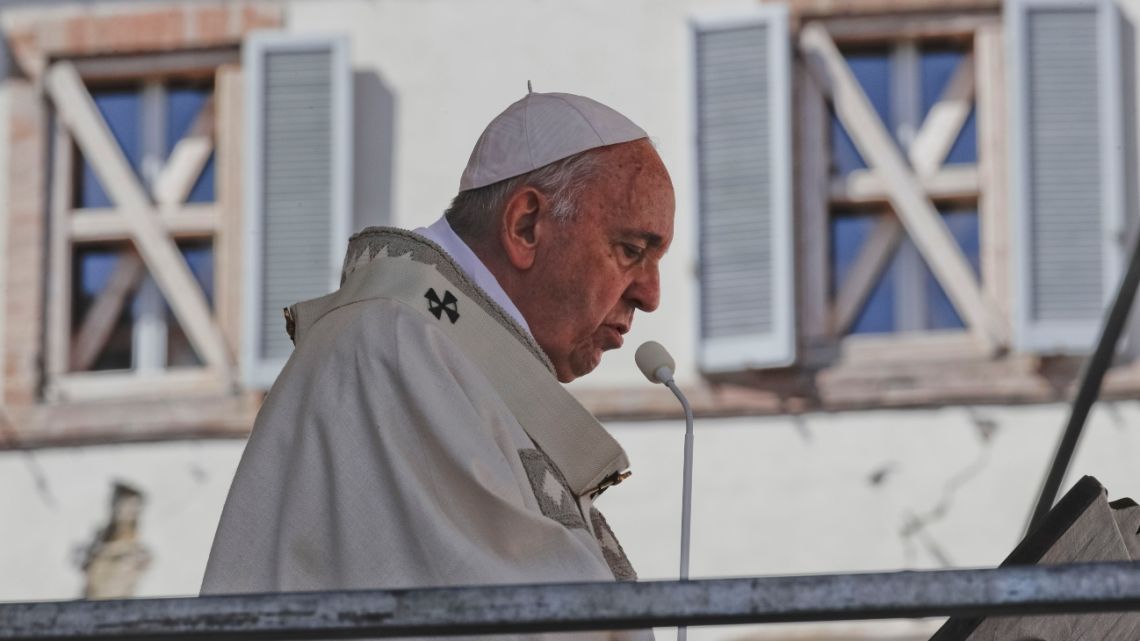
{"x": 417, "y": 437}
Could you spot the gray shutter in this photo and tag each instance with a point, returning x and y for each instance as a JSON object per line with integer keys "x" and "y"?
{"x": 744, "y": 164}
{"x": 1067, "y": 172}
{"x": 298, "y": 203}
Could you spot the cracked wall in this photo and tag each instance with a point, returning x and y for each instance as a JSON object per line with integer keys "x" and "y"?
{"x": 841, "y": 492}
{"x": 855, "y": 491}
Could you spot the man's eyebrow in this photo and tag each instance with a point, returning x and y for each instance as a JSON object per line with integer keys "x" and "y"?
{"x": 651, "y": 239}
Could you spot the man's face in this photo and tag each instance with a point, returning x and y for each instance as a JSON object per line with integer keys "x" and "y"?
{"x": 593, "y": 272}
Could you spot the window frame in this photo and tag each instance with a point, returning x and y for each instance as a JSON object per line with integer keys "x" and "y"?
{"x": 68, "y": 229}
{"x": 818, "y": 193}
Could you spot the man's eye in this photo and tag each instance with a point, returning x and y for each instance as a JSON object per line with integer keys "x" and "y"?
{"x": 632, "y": 252}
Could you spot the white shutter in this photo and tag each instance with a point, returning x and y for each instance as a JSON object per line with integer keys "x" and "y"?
{"x": 1067, "y": 168}
{"x": 744, "y": 182}
{"x": 298, "y": 118}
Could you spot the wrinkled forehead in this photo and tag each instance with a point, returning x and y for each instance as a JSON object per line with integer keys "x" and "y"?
{"x": 633, "y": 169}
{"x": 635, "y": 192}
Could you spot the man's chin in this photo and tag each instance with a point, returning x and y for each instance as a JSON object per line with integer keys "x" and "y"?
{"x": 580, "y": 365}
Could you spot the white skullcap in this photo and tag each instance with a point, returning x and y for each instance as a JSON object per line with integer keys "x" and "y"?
{"x": 540, "y": 129}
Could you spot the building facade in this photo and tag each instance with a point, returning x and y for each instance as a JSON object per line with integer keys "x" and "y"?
{"x": 898, "y": 226}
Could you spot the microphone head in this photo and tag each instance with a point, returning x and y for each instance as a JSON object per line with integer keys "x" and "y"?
{"x": 650, "y": 358}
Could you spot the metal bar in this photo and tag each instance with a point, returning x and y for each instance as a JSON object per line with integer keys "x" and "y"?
{"x": 686, "y": 491}
{"x": 1057, "y": 589}
{"x": 1091, "y": 379}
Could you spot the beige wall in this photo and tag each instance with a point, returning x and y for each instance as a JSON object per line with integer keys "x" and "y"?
{"x": 772, "y": 495}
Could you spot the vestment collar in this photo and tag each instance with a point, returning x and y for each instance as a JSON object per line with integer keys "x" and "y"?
{"x": 396, "y": 264}
{"x": 441, "y": 234}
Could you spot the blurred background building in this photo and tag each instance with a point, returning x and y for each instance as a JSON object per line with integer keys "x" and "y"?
{"x": 898, "y": 225}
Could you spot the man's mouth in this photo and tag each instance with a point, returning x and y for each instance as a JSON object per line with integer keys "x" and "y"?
{"x": 614, "y": 335}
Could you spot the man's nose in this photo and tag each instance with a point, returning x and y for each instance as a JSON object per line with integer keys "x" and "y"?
{"x": 645, "y": 290}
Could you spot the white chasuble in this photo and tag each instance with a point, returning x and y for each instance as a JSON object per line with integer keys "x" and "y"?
{"x": 417, "y": 437}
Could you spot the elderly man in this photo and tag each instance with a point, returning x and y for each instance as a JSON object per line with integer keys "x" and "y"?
{"x": 419, "y": 435}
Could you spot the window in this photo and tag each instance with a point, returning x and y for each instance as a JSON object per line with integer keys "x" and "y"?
{"x": 171, "y": 252}
{"x": 893, "y": 230}
{"x": 126, "y": 212}
{"x": 961, "y": 201}
{"x": 147, "y": 121}
{"x": 904, "y": 82}
{"x": 139, "y": 298}
{"x": 910, "y": 237}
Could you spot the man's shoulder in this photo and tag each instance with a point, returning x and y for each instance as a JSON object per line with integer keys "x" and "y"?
{"x": 374, "y": 326}
{"x": 381, "y": 358}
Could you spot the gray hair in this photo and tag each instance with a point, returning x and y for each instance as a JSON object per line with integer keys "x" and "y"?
{"x": 474, "y": 213}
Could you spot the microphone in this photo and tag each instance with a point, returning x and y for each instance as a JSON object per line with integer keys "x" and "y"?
{"x": 655, "y": 362}
{"x": 658, "y": 366}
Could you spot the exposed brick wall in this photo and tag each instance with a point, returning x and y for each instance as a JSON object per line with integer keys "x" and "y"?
{"x": 36, "y": 35}
{"x": 26, "y": 205}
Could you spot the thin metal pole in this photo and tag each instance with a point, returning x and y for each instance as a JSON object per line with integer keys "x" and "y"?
{"x": 1091, "y": 379}
{"x": 686, "y": 491}
{"x": 515, "y": 609}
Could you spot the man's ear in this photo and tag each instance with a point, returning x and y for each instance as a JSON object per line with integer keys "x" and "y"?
{"x": 519, "y": 230}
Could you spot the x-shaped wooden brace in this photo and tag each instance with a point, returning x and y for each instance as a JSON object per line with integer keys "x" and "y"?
{"x": 171, "y": 188}
{"x": 156, "y": 251}
{"x": 926, "y": 154}
{"x": 916, "y": 213}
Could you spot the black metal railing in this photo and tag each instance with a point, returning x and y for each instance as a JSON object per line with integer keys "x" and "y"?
{"x": 1057, "y": 589}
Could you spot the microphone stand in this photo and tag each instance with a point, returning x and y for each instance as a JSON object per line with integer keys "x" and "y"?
{"x": 657, "y": 365}
{"x": 686, "y": 489}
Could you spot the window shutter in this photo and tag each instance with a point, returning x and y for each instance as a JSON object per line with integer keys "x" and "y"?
{"x": 1067, "y": 169}
{"x": 298, "y": 116}
{"x": 743, "y": 139}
